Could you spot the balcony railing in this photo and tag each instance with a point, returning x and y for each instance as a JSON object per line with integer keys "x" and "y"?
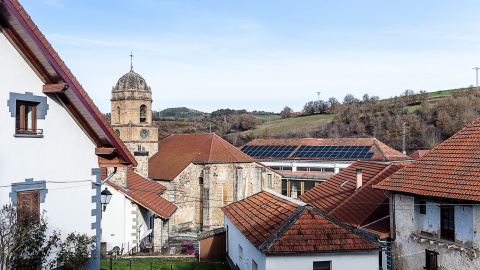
{"x": 28, "y": 131}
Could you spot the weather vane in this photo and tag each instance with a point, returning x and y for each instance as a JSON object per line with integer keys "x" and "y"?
{"x": 131, "y": 60}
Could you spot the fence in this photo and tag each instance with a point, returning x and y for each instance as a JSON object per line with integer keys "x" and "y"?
{"x": 151, "y": 264}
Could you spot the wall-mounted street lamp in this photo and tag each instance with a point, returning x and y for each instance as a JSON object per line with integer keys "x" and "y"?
{"x": 105, "y": 198}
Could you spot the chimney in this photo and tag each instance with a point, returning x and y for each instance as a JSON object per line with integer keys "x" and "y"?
{"x": 359, "y": 178}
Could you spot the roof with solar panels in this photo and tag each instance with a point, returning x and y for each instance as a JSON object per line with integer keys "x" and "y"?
{"x": 323, "y": 149}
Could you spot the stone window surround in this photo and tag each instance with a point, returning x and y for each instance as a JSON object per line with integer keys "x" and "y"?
{"x": 29, "y": 184}
{"x": 42, "y": 108}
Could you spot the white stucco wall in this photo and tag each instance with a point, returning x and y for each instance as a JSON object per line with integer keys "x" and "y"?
{"x": 336, "y": 165}
{"x": 409, "y": 250}
{"x": 64, "y": 157}
{"x": 367, "y": 260}
{"x": 123, "y": 222}
{"x": 342, "y": 260}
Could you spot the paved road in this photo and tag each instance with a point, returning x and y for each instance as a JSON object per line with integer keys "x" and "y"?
{"x": 176, "y": 240}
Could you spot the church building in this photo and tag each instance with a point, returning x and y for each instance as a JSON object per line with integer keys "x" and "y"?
{"x": 196, "y": 173}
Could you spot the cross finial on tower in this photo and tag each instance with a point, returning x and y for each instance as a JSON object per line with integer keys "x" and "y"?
{"x": 131, "y": 60}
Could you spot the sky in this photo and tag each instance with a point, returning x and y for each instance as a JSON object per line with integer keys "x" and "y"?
{"x": 263, "y": 54}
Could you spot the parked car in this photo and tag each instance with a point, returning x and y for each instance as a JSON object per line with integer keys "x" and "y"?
{"x": 188, "y": 247}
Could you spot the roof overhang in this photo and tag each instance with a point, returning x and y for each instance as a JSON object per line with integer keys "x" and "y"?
{"x": 60, "y": 83}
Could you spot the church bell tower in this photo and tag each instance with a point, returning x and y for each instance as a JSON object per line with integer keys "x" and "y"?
{"x": 131, "y": 118}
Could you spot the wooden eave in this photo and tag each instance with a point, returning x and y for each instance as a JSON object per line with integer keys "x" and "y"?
{"x": 32, "y": 45}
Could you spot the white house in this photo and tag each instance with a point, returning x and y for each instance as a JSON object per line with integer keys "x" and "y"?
{"x": 434, "y": 206}
{"x": 137, "y": 217}
{"x": 54, "y": 139}
{"x": 271, "y": 231}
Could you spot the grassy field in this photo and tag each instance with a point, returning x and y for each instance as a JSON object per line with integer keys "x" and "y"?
{"x": 269, "y": 117}
{"x": 161, "y": 264}
{"x": 296, "y": 123}
{"x": 414, "y": 108}
{"x": 442, "y": 93}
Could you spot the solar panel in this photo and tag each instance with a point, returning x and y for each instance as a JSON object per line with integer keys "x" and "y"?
{"x": 334, "y": 151}
{"x": 266, "y": 151}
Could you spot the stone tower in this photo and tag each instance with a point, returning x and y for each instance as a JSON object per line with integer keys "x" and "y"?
{"x": 131, "y": 118}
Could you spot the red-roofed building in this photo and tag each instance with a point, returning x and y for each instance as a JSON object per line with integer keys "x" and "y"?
{"x": 435, "y": 208}
{"x": 202, "y": 173}
{"x": 349, "y": 197}
{"x": 271, "y": 231}
{"x": 137, "y": 215}
{"x": 305, "y": 163}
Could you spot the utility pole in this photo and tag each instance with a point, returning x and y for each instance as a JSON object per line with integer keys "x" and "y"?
{"x": 318, "y": 93}
{"x": 403, "y": 140}
{"x": 476, "y": 70}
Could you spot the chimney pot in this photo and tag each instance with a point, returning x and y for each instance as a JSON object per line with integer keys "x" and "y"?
{"x": 359, "y": 178}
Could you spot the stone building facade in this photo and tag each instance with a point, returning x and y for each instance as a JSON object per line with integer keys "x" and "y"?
{"x": 203, "y": 173}
{"x": 201, "y": 190}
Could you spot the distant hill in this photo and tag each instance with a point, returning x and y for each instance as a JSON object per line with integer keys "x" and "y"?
{"x": 179, "y": 112}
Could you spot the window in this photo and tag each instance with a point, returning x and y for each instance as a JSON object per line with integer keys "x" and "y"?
{"x": 240, "y": 252}
{"x": 269, "y": 180}
{"x": 26, "y": 118}
{"x": 143, "y": 110}
{"x": 254, "y": 265}
{"x": 284, "y": 187}
{"x": 447, "y": 222}
{"x": 28, "y": 205}
{"x": 307, "y": 185}
{"x": 295, "y": 189}
{"x": 430, "y": 260}
{"x": 423, "y": 207}
{"x": 200, "y": 180}
{"x": 322, "y": 265}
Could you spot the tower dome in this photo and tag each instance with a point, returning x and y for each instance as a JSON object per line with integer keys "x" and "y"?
{"x": 131, "y": 81}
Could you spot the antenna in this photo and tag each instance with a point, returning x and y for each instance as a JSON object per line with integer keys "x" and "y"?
{"x": 131, "y": 60}
{"x": 476, "y": 70}
{"x": 318, "y": 93}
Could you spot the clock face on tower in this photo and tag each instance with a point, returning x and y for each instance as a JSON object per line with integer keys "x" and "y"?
{"x": 144, "y": 133}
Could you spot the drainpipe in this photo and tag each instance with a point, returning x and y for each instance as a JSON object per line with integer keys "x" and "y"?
{"x": 108, "y": 177}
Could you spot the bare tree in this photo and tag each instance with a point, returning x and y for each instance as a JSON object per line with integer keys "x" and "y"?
{"x": 8, "y": 226}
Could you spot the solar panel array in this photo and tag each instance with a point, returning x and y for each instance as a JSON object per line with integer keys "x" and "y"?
{"x": 331, "y": 151}
{"x": 280, "y": 151}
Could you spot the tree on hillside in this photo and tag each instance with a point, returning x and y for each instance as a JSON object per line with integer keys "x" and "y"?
{"x": 286, "y": 112}
{"x": 246, "y": 122}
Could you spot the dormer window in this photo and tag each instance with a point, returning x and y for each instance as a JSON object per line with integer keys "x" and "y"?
{"x": 141, "y": 82}
{"x": 143, "y": 116}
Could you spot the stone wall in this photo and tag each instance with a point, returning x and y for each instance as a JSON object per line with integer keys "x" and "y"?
{"x": 201, "y": 190}
{"x": 409, "y": 246}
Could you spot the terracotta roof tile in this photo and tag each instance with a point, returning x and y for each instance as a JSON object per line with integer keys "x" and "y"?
{"x": 450, "y": 170}
{"x": 264, "y": 220}
{"x": 382, "y": 152}
{"x": 177, "y": 151}
{"x": 338, "y": 198}
{"x": 146, "y": 193}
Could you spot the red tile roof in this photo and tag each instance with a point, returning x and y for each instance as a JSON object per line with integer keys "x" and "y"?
{"x": 146, "y": 193}
{"x": 177, "y": 151}
{"x": 450, "y": 170}
{"x": 354, "y": 207}
{"x": 381, "y": 151}
{"x": 275, "y": 224}
{"x": 418, "y": 154}
{"x": 41, "y": 56}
